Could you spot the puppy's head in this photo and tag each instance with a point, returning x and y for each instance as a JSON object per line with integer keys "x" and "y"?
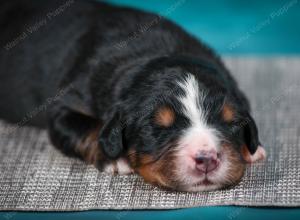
{"x": 181, "y": 129}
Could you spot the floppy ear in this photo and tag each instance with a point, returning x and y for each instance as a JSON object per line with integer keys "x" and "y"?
{"x": 110, "y": 138}
{"x": 250, "y": 134}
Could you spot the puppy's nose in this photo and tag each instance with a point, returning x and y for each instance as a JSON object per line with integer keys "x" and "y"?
{"x": 206, "y": 161}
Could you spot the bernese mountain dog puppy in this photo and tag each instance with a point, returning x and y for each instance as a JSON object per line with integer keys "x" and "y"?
{"x": 125, "y": 90}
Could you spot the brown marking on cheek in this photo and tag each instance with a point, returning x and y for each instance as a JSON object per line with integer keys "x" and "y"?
{"x": 152, "y": 175}
{"x": 89, "y": 149}
{"x": 227, "y": 113}
{"x": 165, "y": 116}
{"x": 152, "y": 172}
{"x": 236, "y": 165}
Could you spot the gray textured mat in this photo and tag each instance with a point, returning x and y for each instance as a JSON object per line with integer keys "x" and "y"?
{"x": 34, "y": 176}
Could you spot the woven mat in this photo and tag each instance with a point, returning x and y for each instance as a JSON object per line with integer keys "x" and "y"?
{"x": 35, "y": 176}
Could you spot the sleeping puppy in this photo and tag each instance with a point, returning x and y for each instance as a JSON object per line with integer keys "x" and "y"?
{"x": 127, "y": 91}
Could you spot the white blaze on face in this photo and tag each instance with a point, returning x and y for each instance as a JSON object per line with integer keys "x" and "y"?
{"x": 193, "y": 108}
{"x": 199, "y": 136}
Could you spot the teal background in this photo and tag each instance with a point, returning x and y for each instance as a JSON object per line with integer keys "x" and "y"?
{"x": 204, "y": 213}
{"x": 220, "y": 23}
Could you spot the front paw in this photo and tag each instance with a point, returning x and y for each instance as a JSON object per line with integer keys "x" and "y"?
{"x": 92, "y": 153}
{"x": 120, "y": 166}
{"x": 259, "y": 155}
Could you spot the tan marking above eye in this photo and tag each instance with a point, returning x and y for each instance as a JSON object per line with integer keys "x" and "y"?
{"x": 227, "y": 113}
{"x": 165, "y": 116}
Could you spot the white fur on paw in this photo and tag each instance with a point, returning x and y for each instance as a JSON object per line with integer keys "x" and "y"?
{"x": 259, "y": 155}
{"x": 109, "y": 168}
{"x": 123, "y": 167}
{"x": 120, "y": 166}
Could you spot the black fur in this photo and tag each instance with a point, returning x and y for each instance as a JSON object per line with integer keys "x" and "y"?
{"x": 81, "y": 54}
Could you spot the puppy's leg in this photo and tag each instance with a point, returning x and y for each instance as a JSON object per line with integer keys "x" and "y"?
{"x": 77, "y": 135}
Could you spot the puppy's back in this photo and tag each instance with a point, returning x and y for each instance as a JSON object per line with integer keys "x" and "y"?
{"x": 38, "y": 46}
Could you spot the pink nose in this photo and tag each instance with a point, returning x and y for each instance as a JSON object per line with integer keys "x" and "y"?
{"x": 206, "y": 161}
